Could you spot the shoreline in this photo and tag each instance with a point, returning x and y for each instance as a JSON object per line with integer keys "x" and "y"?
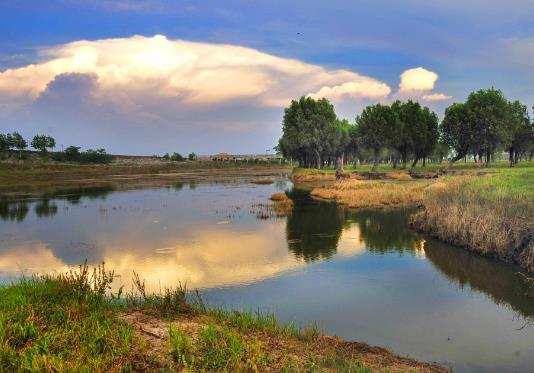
{"x": 489, "y": 212}
{"x": 70, "y": 322}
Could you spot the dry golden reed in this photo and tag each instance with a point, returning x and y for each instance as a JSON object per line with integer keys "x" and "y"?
{"x": 458, "y": 214}
{"x": 372, "y": 194}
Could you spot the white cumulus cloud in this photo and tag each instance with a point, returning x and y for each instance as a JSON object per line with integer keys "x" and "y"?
{"x": 436, "y": 97}
{"x": 417, "y": 79}
{"x": 131, "y": 69}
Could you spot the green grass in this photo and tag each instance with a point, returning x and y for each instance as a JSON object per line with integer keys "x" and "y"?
{"x": 71, "y": 323}
{"x": 61, "y": 324}
{"x": 498, "y": 166}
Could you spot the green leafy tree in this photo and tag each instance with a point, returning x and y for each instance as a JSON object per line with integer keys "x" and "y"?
{"x": 72, "y": 153}
{"x": 425, "y": 148}
{"x": 521, "y": 131}
{"x": 5, "y": 143}
{"x": 43, "y": 143}
{"x": 308, "y": 131}
{"x": 489, "y": 113}
{"x": 192, "y": 156}
{"x": 407, "y": 128}
{"x": 376, "y": 126}
{"x": 18, "y": 142}
{"x": 177, "y": 157}
{"x": 457, "y": 131}
{"x": 95, "y": 156}
{"x": 166, "y": 156}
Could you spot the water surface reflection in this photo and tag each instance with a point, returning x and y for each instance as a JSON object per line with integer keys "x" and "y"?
{"x": 362, "y": 275}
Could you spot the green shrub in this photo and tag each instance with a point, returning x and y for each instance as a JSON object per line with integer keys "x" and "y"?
{"x": 95, "y": 156}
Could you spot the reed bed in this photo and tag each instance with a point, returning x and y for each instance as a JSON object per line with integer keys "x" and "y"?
{"x": 491, "y": 215}
{"x": 372, "y": 194}
{"x": 262, "y": 181}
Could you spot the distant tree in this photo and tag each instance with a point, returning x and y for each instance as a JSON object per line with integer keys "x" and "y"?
{"x": 5, "y": 143}
{"x": 43, "y": 143}
{"x": 407, "y": 129}
{"x": 425, "y": 148}
{"x": 166, "y": 156}
{"x": 192, "y": 156}
{"x": 488, "y": 119}
{"x": 177, "y": 157}
{"x": 441, "y": 150}
{"x": 18, "y": 142}
{"x": 457, "y": 131}
{"x": 521, "y": 130}
{"x": 95, "y": 156}
{"x": 376, "y": 126}
{"x": 72, "y": 153}
{"x": 340, "y": 143}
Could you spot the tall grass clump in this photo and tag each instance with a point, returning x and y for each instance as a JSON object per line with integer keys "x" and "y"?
{"x": 62, "y": 323}
{"x": 372, "y": 194}
{"x": 491, "y": 215}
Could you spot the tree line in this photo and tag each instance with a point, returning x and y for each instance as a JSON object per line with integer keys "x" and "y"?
{"x": 406, "y": 132}
{"x": 44, "y": 143}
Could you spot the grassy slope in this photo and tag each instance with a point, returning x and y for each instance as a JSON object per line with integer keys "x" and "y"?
{"x": 65, "y": 323}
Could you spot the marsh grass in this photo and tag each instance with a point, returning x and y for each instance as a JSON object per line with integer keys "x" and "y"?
{"x": 262, "y": 181}
{"x": 491, "y": 215}
{"x": 373, "y": 194}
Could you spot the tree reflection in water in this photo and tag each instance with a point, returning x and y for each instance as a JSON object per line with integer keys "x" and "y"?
{"x": 496, "y": 279}
{"x": 17, "y": 208}
{"x": 314, "y": 228}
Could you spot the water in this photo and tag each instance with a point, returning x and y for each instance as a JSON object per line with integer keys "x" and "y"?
{"x": 360, "y": 275}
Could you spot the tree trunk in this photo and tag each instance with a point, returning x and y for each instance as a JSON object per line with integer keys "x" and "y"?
{"x": 424, "y": 161}
{"x": 319, "y": 164}
{"x": 511, "y": 156}
{"x": 377, "y": 158}
{"x": 415, "y": 161}
{"x": 339, "y": 166}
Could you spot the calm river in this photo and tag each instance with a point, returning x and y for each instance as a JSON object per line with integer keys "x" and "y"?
{"x": 360, "y": 275}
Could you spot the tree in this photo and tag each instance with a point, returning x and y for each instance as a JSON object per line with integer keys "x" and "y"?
{"x": 192, "y": 156}
{"x": 43, "y": 142}
{"x": 340, "y": 143}
{"x": 95, "y": 156}
{"x": 4, "y": 143}
{"x": 488, "y": 119}
{"x": 441, "y": 150}
{"x": 18, "y": 142}
{"x": 72, "y": 153}
{"x": 177, "y": 157}
{"x": 425, "y": 148}
{"x": 521, "y": 130}
{"x": 457, "y": 131}
{"x": 376, "y": 126}
{"x": 308, "y": 130}
{"x": 406, "y": 129}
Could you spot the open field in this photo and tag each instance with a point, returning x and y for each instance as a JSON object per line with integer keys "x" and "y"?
{"x": 69, "y": 322}
{"x": 487, "y": 210}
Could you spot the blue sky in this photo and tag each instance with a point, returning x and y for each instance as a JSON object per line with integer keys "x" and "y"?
{"x": 95, "y": 73}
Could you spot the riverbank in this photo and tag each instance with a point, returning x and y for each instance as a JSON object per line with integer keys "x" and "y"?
{"x": 489, "y": 211}
{"x": 69, "y": 322}
{"x": 42, "y": 177}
